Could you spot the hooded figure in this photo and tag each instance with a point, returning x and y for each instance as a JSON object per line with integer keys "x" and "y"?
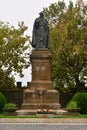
{"x": 40, "y": 38}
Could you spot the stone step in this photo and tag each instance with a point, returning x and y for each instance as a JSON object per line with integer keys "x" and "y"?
{"x": 33, "y": 112}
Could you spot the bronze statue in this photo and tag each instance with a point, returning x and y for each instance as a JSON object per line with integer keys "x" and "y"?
{"x": 40, "y": 38}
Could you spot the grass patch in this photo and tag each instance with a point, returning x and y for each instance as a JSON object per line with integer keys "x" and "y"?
{"x": 34, "y": 116}
{"x": 30, "y": 116}
{"x": 79, "y": 116}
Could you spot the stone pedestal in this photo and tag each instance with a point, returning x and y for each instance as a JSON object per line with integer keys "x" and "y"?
{"x": 41, "y": 93}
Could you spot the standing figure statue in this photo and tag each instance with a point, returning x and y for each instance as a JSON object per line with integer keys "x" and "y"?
{"x": 40, "y": 38}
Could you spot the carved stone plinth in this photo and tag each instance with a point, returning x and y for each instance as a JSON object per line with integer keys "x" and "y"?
{"x": 41, "y": 93}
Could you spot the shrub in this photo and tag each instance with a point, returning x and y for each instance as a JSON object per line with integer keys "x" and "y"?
{"x": 10, "y": 106}
{"x": 72, "y": 104}
{"x": 2, "y": 102}
{"x": 81, "y": 99}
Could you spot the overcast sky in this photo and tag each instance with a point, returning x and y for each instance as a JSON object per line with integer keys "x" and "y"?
{"x": 13, "y": 11}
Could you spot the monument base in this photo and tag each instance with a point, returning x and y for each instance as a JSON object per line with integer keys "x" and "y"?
{"x": 41, "y": 93}
{"x": 41, "y": 99}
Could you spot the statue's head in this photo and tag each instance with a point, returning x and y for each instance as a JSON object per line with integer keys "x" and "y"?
{"x": 41, "y": 14}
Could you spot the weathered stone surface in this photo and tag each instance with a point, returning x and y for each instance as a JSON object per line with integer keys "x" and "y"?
{"x": 40, "y": 61}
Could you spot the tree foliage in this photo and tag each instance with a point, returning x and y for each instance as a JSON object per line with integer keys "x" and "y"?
{"x": 6, "y": 81}
{"x": 68, "y": 34}
{"x": 14, "y": 50}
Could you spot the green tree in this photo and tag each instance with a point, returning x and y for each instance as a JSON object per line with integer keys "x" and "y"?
{"x": 14, "y": 50}
{"x": 6, "y": 81}
{"x": 68, "y": 34}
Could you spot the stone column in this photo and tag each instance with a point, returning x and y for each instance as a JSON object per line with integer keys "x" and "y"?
{"x": 40, "y": 61}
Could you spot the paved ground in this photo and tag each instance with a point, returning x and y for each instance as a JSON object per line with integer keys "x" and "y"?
{"x": 44, "y": 120}
{"x": 42, "y": 126}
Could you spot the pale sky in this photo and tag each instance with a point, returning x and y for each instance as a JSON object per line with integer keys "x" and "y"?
{"x": 13, "y": 11}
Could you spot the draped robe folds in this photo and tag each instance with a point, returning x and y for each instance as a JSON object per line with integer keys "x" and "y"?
{"x": 40, "y": 38}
